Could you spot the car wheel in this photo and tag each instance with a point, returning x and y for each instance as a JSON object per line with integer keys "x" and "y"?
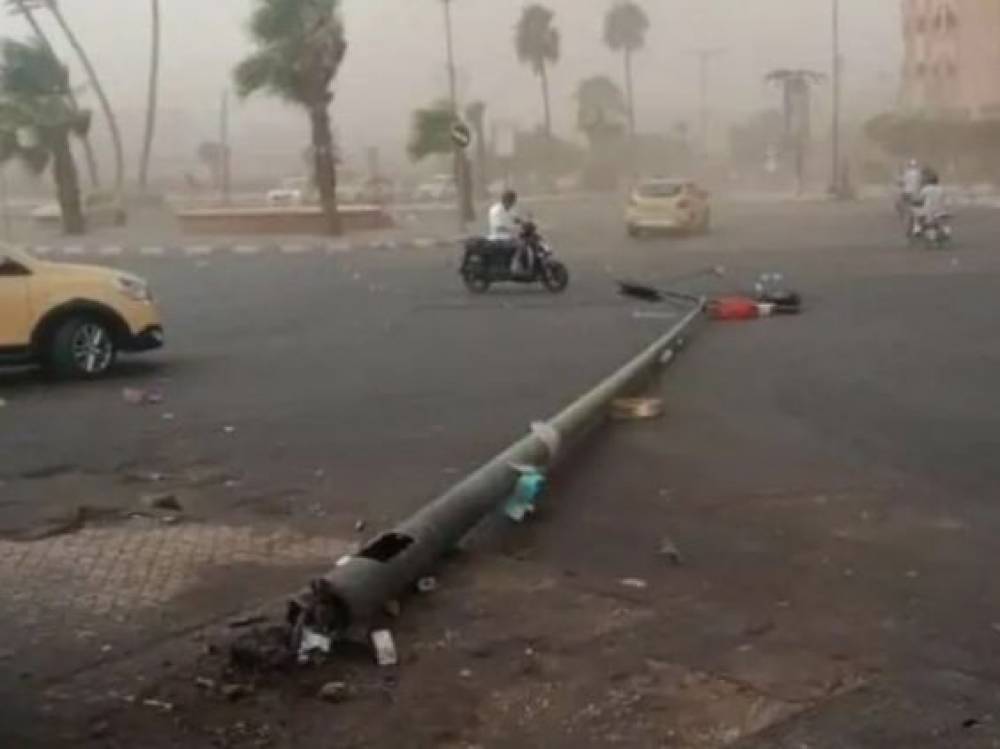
{"x": 82, "y": 348}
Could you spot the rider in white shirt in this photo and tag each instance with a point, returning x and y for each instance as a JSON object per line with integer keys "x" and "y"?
{"x": 931, "y": 203}
{"x": 504, "y": 228}
{"x": 504, "y": 219}
{"x": 912, "y": 181}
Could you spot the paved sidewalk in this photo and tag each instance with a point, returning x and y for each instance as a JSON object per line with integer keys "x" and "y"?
{"x": 74, "y": 600}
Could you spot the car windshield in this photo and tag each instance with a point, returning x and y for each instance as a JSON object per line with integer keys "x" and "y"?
{"x": 660, "y": 189}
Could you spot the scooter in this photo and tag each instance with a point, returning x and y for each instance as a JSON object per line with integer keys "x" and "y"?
{"x": 935, "y": 233}
{"x": 486, "y": 263}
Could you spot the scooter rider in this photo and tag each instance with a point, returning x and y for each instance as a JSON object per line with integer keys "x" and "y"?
{"x": 911, "y": 182}
{"x": 505, "y": 229}
{"x": 930, "y": 204}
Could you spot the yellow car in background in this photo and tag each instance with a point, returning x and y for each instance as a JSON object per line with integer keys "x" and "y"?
{"x": 667, "y": 205}
{"x": 73, "y": 319}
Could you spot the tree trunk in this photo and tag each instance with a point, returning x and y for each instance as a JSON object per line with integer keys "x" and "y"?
{"x": 543, "y": 73}
{"x": 630, "y": 102}
{"x": 151, "y": 104}
{"x": 109, "y": 115}
{"x": 88, "y": 149}
{"x": 67, "y": 185}
{"x": 325, "y": 164}
{"x": 630, "y": 95}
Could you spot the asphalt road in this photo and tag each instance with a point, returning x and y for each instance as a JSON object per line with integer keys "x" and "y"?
{"x": 833, "y": 474}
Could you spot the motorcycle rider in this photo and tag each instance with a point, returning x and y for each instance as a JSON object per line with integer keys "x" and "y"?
{"x": 504, "y": 230}
{"x": 911, "y": 181}
{"x": 930, "y": 203}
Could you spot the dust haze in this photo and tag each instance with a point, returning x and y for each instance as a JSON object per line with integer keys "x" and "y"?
{"x": 395, "y": 63}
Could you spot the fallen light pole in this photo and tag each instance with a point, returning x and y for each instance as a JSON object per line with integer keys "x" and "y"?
{"x": 361, "y": 584}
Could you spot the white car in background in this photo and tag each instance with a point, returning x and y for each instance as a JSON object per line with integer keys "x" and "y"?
{"x": 437, "y": 189}
{"x": 292, "y": 192}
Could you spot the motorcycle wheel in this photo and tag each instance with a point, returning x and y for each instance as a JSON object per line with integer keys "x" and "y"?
{"x": 555, "y": 277}
{"x": 476, "y": 283}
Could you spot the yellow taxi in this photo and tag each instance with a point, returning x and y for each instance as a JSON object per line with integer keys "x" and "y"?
{"x": 667, "y": 205}
{"x": 74, "y": 319}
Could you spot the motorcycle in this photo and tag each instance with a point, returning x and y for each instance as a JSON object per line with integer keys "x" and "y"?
{"x": 486, "y": 262}
{"x": 935, "y": 233}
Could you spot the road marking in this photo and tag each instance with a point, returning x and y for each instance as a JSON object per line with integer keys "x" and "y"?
{"x": 74, "y": 250}
{"x": 245, "y": 249}
{"x": 152, "y": 251}
{"x": 197, "y": 250}
{"x": 423, "y": 243}
{"x": 338, "y": 248}
{"x": 42, "y": 250}
{"x": 296, "y": 249}
{"x": 110, "y": 251}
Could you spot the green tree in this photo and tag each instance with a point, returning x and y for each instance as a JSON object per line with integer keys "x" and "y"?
{"x": 625, "y": 29}
{"x": 26, "y": 9}
{"x": 431, "y": 131}
{"x": 95, "y": 82}
{"x": 37, "y": 120}
{"x": 601, "y": 110}
{"x": 300, "y": 46}
{"x": 538, "y": 45}
{"x": 152, "y": 94}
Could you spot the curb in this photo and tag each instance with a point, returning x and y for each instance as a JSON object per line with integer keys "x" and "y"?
{"x": 237, "y": 249}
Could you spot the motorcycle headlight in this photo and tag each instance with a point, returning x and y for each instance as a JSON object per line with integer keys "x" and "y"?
{"x": 134, "y": 288}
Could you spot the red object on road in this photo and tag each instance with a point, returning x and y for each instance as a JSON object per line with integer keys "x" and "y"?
{"x": 735, "y": 308}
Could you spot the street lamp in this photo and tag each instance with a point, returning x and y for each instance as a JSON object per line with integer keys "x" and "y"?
{"x": 463, "y": 183}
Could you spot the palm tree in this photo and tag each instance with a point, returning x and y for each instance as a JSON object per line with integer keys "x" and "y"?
{"x": 431, "y": 131}
{"x": 37, "y": 119}
{"x": 116, "y": 137}
{"x": 153, "y": 94}
{"x": 601, "y": 110}
{"x": 538, "y": 45}
{"x": 796, "y": 88}
{"x": 26, "y": 9}
{"x": 625, "y": 29}
{"x": 300, "y": 45}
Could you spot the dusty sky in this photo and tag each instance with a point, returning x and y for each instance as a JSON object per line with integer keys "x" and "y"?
{"x": 396, "y": 60}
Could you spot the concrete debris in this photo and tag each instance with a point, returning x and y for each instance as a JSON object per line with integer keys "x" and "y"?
{"x": 249, "y": 620}
{"x": 262, "y": 650}
{"x": 669, "y": 550}
{"x": 203, "y": 682}
{"x": 635, "y": 583}
{"x": 140, "y": 397}
{"x": 163, "y": 707}
{"x": 313, "y": 643}
{"x": 235, "y": 692}
{"x": 359, "y": 527}
{"x": 385, "y": 648}
{"x": 427, "y": 585}
{"x": 334, "y": 692}
{"x": 636, "y": 409}
{"x": 168, "y": 416}
{"x": 161, "y": 501}
{"x": 229, "y": 429}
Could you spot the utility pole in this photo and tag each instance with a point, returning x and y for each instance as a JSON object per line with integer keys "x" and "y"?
{"x": 705, "y": 57}
{"x": 837, "y": 186}
{"x": 224, "y": 145}
{"x": 462, "y": 181}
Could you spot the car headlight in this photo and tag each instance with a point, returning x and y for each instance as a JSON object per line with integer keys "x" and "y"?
{"x": 134, "y": 288}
